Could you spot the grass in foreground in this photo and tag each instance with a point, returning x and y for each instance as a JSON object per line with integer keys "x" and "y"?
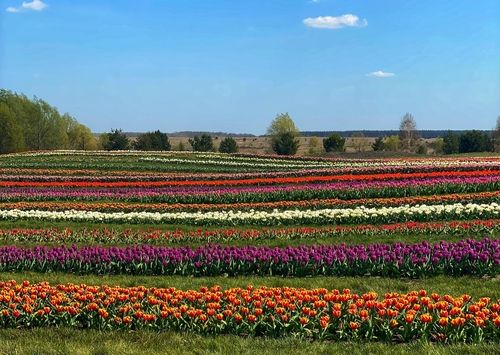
{"x": 70, "y": 341}
{"x": 476, "y": 287}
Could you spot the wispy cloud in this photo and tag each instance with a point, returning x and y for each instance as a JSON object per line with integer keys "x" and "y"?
{"x": 380, "y": 74}
{"x": 35, "y": 5}
{"x": 335, "y": 22}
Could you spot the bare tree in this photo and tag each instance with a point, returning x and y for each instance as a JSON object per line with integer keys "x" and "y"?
{"x": 408, "y": 133}
{"x": 496, "y": 136}
{"x": 358, "y": 141}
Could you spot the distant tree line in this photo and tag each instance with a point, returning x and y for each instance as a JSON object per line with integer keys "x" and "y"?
{"x": 409, "y": 140}
{"x": 159, "y": 141}
{"x": 423, "y": 133}
{"x": 33, "y": 124}
{"x": 468, "y": 142}
{"x": 284, "y": 140}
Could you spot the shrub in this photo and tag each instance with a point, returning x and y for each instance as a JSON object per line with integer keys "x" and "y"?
{"x": 450, "y": 143}
{"x": 152, "y": 141}
{"x": 422, "y": 149}
{"x": 202, "y": 144}
{"x": 475, "y": 141}
{"x": 378, "y": 145}
{"x": 115, "y": 140}
{"x": 392, "y": 143}
{"x": 334, "y": 143}
{"x": 283, "y": 133}
{"x": 437, "y": 145}
{"x": 285, "y": 144}
{"x": 228, "y": 145}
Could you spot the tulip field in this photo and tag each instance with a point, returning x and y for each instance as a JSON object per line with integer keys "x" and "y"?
{"x": 216, "y": 252}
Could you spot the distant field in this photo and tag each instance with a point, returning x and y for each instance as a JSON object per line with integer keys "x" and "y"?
{"x": 261, "y": 145}
{"x": 308, "y": 145}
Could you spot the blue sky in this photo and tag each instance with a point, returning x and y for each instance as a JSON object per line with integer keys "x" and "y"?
{"x": 233, "y": 65}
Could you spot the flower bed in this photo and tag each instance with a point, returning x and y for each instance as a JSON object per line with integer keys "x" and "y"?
{"x": 156, "y": 236}
{"x": 276, "y": 217}
{"x": 467, "y": 257}
{"x": 270, "y": 312}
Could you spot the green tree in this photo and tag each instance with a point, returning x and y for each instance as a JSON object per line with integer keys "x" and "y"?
{"x": 202, "y": 144}
{"x": 283, "y": 131}
{"x": 285, "y": 144}
{"x": 50, "y": 128}
{"x": 115, "y": 140}
{"x": 152, "y": 141}
{"x": 334, "y": 143}
{"x": 474, "y": 141}
{"x": 40, "y": 124}
{"x": 422, "y": 149}
{"x": 228, "y": 145}
{"x": 283, "y": 123}
{"x": 80, "y": 137}
{"x": 11, "y": 135}
{"x": 451, "y": 143}
{"x": 378, "y": 145}
{"x": 437, "y": 145}
{"x": 392, "y": 143}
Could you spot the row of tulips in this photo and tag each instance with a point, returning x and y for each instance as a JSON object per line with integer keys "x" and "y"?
{"x": 273, "y": 193}
{"x": 466, "y": 257}
{"x": 357, "y": 215}
{"x": 271, "y": 312}
{"x": 76, "y": 155}
{"x": 113, "y": 206}
{"x": 256, "y": 181}
{"x": 198, "y": 162}
{"x": 109, "y": 236}
{"x": 12, "y": 174}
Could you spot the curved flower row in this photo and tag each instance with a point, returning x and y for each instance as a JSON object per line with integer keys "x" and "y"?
{"x": 256, "y": 181}
{"x": 13, "y": 174}
{"x": 268, "y": 164}
{"x": 478, "y": 197}
{"x": 159, "y": 237}
{"x": 321, "y": 216}
{"x": 188, "y": 161}
{"x": 199, "y": 194}
{"x": 393, "y": 260}
{"x": 271, "y": 312}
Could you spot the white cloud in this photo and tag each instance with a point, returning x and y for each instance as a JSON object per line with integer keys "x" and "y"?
{"x": 35, "y": 5}
{"x": 380, "y": 74}
{"x": 335, "y": 22}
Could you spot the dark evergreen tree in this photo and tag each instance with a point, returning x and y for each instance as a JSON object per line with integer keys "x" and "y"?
{"x": 475, "y": 141}
{"x": 378, "y": 145}
{"x": 450, "y": 143}
{"x": 285, "y": 144}
{"x": 202, "y": 144}
{"x": 152, "y": 141}
{"x": 228, "y": 145}
{"x": 334, "y": 143}
{"x": 116, "y": 140}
